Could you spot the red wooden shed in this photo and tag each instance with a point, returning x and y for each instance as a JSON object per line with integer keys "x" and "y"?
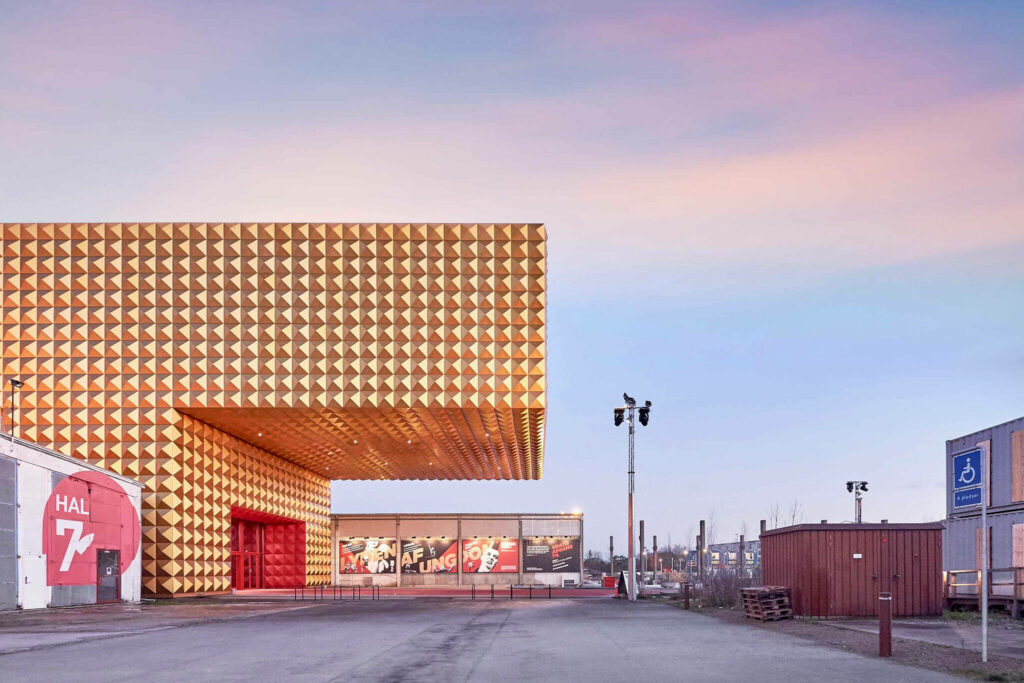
{"x": 838, "y": 570}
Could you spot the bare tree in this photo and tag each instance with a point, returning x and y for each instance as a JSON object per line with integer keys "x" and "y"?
{"x": 709, "y": 530}
{"x": 774, "y": 515}
{"x": 795, "y": 513}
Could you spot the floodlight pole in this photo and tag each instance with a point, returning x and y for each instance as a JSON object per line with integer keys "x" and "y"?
{"x": 857, "y": 487}
{"x": 628, "y": 413}
{"x": 15, "y": 385}
{"x": 631, "y": 579}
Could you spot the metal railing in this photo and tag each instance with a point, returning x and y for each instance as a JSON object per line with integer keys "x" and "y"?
{"x": 512, "y": 589}
{"x": 337, "y": 592}
{"x": 1005, "y": 585}
{"x": 486, "y": 592}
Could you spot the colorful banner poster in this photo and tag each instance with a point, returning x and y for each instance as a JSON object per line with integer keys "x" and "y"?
{"x": 490, "y": 555}
{"x": 367, "y": 556}
{"x": 430, "y": 556}
{"x": 546, "y": 554}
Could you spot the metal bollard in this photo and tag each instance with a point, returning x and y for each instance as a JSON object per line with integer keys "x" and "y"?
{"x": 885, "y": 624}
{"x": 686, "y": 596}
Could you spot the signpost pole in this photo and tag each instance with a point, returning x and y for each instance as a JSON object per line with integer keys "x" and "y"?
{"x": 984, "y": 554}
{"x": 971, "y": 488}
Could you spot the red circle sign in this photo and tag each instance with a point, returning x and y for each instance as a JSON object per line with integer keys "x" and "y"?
{"x": 86, "y": 512}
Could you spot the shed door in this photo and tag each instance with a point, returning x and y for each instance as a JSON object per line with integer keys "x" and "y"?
{"x": 853, "y": 583}
{"x": 915, "y": 574}
{"x": 108, "y": 575}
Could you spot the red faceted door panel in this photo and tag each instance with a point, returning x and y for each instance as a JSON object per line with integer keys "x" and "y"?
{"x": 267, "y": 551}
{"x": 247, "y": 561}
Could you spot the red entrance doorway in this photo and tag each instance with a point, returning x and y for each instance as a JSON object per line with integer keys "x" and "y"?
{"x": 267, "y": 551}
{"x": 247, "y": 542}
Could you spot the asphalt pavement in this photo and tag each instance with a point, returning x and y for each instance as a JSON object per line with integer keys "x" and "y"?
{"x": 451, "y": 640}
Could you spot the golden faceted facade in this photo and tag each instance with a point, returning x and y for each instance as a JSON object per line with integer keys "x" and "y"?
{"x": 243, "y": 366}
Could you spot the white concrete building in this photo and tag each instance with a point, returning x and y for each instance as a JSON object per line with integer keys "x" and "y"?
{"x": 69, "y": 531}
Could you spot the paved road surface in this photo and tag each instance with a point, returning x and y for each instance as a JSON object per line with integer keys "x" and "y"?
{"x": 451, "y": 640}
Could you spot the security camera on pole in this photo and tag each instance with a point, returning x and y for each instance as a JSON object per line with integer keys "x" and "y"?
{"x": 644, "y": 413}
{"x": 856, "y": 487}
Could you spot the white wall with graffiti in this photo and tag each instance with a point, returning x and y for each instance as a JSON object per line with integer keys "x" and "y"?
{"x": 74, "y": 529}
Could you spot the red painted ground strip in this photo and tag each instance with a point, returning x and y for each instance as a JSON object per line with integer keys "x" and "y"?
{"x": 482, "y": 592}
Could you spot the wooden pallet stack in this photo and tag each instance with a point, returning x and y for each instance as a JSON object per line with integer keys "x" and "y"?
{"x": 766, "y": 603}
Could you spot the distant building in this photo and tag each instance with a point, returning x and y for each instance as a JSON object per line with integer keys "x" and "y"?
{"x": 961, "y": 543}
{"x": 725, "y": 556}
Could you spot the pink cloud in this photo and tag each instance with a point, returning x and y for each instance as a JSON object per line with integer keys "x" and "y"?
{"x": 835, "y": 60}
{"x": 869, "y": 154}
{"x": 94, "y": 50}
{"x": 930, "y": 183}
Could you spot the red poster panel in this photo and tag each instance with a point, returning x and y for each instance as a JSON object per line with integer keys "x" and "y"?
{"x": 86, "y": 512}
{"x": 429, "y": 556}
{"x": 492, "y": 555}
{"x": 367, "y": 556}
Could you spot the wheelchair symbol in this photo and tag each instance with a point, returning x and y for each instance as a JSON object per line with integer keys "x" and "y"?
{"x": 967, "y": 474}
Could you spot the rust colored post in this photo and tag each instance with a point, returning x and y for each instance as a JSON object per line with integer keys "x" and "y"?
{"x": 740, "y": 568}
{"x": 643, "y": 556}
{"x": 611, "y": 555}
{"x": 655, "y": 559}
{"x": 686, "y": 595}
{"x": 700, "y": 553}
{"x": 885, "y": 624}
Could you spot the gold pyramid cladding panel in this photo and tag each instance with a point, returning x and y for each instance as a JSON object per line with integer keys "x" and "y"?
{"x": 350, "y": 350}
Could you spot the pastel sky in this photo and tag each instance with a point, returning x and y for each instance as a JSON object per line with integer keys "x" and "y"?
{"x": 797, "y": 228}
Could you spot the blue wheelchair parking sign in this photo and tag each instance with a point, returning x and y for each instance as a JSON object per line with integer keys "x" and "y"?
{"x": 967, "y": 469}
{"x": 967, "y": 479}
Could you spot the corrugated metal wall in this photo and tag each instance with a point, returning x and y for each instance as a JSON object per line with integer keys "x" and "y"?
{"x": 999, "y": 439}
{"x": 820, "y": 565}
{"x": 8, "y": 533}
